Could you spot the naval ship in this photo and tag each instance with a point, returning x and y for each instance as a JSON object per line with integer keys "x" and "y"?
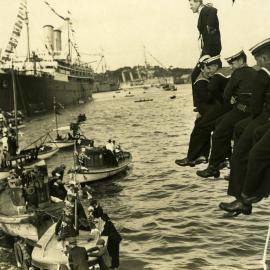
{"x": 41, "y": 77}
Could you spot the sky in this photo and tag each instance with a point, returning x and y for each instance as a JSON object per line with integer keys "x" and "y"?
{"x": 121, "y": 28}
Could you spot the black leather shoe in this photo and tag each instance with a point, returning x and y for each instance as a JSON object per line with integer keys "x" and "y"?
{"x": 227, "y": 206}
{"x": 185, "y": 162}
{"x": 209, "y": 172}
{"x": 237, "y": 207}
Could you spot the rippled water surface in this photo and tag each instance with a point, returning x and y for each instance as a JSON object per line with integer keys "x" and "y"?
{"x": 168, "y": 217}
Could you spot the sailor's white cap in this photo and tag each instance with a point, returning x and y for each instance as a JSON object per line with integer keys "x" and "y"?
{"x": 235, "y": 56}
{"x": 212, "y": 60}
{"x": 259, "y": 46}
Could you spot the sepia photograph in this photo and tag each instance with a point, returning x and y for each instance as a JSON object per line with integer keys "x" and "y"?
{"x": 134, "y": 134}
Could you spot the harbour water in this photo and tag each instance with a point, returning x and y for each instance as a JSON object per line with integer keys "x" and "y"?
{"x": 168, "y": 217}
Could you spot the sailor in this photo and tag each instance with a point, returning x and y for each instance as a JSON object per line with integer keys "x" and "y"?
{"x": 114, "y": 239}
{"x": 240, "y": 86}
{"x": 199, "y": 144}
{"x": 241, "y": 151}
{"x": 208, "y": 26}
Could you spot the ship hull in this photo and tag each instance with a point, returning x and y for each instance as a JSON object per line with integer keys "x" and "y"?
{"x": 35, "y": 94}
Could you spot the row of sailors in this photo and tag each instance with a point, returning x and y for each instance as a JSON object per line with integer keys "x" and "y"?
{"x": 235, "y": 108}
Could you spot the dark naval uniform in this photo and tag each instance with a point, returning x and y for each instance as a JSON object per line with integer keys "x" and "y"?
{"x": 240, "y": 86}
{"x": 240, "y": 155}
{"x": 208, "y": 26}
{"x": 213, "y": 106}
{"x": 257, "y": 184}
{"x": 199, "y": 144}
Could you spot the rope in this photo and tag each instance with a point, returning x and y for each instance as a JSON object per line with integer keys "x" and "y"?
{"x": 265, "y": 249}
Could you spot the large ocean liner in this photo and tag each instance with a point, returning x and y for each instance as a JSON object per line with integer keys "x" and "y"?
{"x": 42, "y": 76}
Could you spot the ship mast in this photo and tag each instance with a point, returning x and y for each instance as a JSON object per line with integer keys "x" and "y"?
{"x": 69, "y": 41}
{"x": 15, "y": 102}
{"x": 55, "y": 115}
{"x": 27, "y": 32}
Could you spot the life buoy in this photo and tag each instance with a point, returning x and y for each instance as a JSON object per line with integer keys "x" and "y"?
{"x": 22, "y": 262}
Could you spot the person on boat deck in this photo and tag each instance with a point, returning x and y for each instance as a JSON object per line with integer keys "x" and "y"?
{"x": 114, "y": 239}
{"x": 58, "y": 172}
{"x": 199, "y": 144}
{"x": 240, "y": 86}
{"x": 65, "y": 226}
{"x": 12, "y": 145}
{"x": 3, "y": 120}
{"x": 2, "y": 159}
{"x": 77, "y": 256}
{"x": 245, "y": 153}
{"x": 56, "y": 185}
{"x": 109, "y": 145}
{"x": 101, "y": 253}
{"x": 98, "y": 211}
{"x": 5, "y": 141}
{"x": 209, "y": 35}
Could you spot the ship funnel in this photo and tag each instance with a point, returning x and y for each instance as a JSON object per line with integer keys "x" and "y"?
{"x": 48, "y": 38}
{"x": 57, "y": 41}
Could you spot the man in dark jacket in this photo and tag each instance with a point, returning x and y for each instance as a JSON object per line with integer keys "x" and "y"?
{"x": 114, "y": 239}
{"x": 209, "y": 34}
{"x": 77, "y": 256}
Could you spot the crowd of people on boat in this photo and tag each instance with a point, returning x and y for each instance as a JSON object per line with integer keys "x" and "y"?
{"x": 231, "y": 108}
{"x": 90, "y": 217}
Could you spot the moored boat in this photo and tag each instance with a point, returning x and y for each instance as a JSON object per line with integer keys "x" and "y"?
{"x": 25, "y": 209}
{"x": 144, "y": 100}
{"x": 49, "y": 253}
{"x": 97, "y": 163}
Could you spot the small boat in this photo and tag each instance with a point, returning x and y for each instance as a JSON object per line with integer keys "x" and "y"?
{"x": 28, "y": 160}
{"x": 46, "y": 152}
{"x": 60, "y": 143}
{"x": 169, "y": 87}
{"x": 25, "y": 209}
{"x": 143, "y": 100}
{"x": 43, "y": 151}
{"x": 173, "y": 97}
{"x": 49, "y": 253}
{"x": 97, "y": 163}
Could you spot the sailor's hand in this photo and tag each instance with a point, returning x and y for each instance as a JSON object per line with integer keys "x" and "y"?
{"x": 233, "y": 100}
{"x": 211, "y": 30}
